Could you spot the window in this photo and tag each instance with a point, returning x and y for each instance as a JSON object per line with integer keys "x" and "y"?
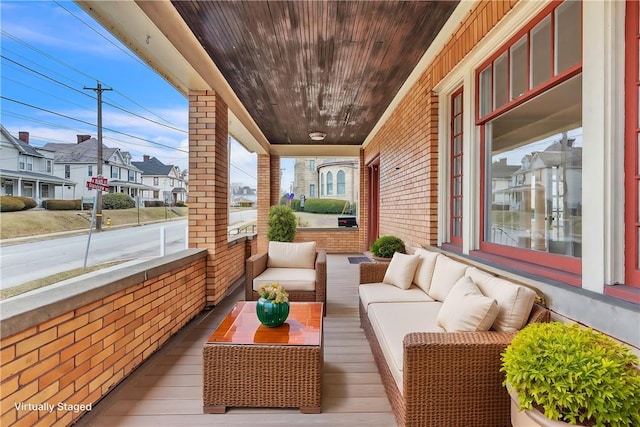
{"x": 312, "y": 190}
{"x": 329, "y": 184}
{"x": 22, "y": 162}
{"x": 529, "y": 105}
{"x": 27, "y": 189}
{"x": 632, "y": 151}
{"x": 456, "y": 168}
{"x": 550, "y": 48}
{"x": 322, "y": 184}
{"x": 49, "y": 166}
{"x": 132, "y": 176}
{"x": 45, "y": 190}
{"x": 156, "y": 180}
{"x": 29, "y": 163}
{"x": 115, "y": 172}
{"x": 171, "y": 182}
{"x": 67, "y": 171}
{"x": 340, "y": 184}
{"x": 533, "y": 183}
{"x": 90, "y": 170}
{"x": 312, "y": 165}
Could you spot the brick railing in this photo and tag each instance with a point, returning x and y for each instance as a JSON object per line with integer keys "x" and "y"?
{"x": 64, "y": 347}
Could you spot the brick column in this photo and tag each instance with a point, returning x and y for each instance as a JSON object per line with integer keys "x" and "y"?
{"x": 268, "y": 194}
{"x": 209, "y": 187}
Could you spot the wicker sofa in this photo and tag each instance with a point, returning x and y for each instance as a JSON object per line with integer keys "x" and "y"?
{"x": 299, "y": 267}
{"x": 437, "y": 376}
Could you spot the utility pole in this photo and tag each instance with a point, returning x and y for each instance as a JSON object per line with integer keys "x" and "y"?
{"x": 99, "y": 89}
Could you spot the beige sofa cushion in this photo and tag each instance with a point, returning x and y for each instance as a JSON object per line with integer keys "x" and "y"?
{"x": 391, "y": 322}
{"x": 445, "y": 275}
{"x": 514, "y": 301}
{"x": 466, "y": 310}
{"x": 371, "y": 293}
{"x": 401, "y": 270}
{"x": 292, "y": 255}
{"x": 292, "y": 279}
{"x": 424, "y": 271}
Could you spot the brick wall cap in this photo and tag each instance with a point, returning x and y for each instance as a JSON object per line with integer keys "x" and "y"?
{"x": 32, "y": 308}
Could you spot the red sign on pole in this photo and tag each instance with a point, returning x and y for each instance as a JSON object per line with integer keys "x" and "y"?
{"x": 98, "y": 183}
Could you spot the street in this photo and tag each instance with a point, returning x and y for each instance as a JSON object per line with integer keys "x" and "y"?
{"x": 29, "y": 261}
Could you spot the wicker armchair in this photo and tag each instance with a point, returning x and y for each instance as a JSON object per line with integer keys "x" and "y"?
{"x": 258, "y": 265}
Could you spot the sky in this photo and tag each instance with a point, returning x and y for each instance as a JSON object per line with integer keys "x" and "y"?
{"x": 52, "y": 50}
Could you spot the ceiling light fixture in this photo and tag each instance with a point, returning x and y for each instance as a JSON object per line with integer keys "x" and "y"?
{"x": 317, "y": 136}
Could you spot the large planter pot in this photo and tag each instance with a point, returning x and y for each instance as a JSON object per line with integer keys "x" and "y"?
{"x": 272, "y": 314}
{"x": 531, "y": 418}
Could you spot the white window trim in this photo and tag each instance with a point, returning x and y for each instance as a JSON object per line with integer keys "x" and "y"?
{"x": 603, "y": 248}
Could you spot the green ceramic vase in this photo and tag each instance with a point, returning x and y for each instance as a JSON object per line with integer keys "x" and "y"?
{"x": 271, "y": 314}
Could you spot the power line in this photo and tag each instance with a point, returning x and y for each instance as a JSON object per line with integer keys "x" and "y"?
{"x": 85, "y": 94}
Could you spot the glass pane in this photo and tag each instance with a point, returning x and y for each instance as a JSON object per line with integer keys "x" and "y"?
{"x": 541, "y": 52}
{"x": 534, "y": 185}
{"x": 457, "y": 144}
{"x": 500, "y": 75}
{"x": 519, "y": 68}
{"x": 485, "y": 91}
{"x": 568, "y": 34}
{"x": 457, "y": 227}
{"x": 457, "y": 186}
{"x": 457, "y": 124}
{"x": 457, "y": 166}
{"x": 457, "y": 206}
{"x": 457, "y": 104}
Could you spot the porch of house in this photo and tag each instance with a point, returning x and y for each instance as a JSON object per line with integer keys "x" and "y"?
{"x": 167, "y": 389}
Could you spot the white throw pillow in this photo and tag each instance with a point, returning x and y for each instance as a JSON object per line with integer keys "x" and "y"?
{"x": 401, "y": 270}
{"x": 466, "y": 310}
{"x": 445, "y": 275}
{"x": 514, "y": 301}
{"x": 291, "y": 255}
{"x": 424, "y": 271}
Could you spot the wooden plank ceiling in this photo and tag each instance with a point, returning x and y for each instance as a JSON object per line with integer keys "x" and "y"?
{"x": 304, "y": 66}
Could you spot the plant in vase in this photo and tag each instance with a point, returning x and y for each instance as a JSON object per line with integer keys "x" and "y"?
{"x": 272, "y": 307}
{"x": 385, "y": 246}
{"x": 574, "y": 375}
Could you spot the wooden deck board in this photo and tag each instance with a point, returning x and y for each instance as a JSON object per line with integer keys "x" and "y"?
{"x": 167, "y": 389}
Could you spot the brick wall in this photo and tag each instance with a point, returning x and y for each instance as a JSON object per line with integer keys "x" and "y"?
{"x": 333, "y": 241}
{"x": 77, "y": 356}
{"x": 408, "y": 142}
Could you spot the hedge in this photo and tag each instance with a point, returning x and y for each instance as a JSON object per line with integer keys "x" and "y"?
{"x": 325, "y": 206}
{"x": 154, "y": 203}
{"x": 29, "y": 203}
{"x": 11, "y": 204}
{"x": 59, "y": 205}
{"x": 117, "y": 201}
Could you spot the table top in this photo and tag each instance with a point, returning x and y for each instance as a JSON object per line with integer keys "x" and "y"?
{"x": 241, "y": 326}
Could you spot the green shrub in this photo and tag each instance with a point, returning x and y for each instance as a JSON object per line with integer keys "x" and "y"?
{"x": 11, "y": 204}
{"x": 573, "y": 374}
{"x": 117, "y": 201}
{"x": 386, "y": 246}
{"x": 180, "y": 204}
{"x": 154, "y": 203}
{"x": 59, "y": 205}
{"x": 282, "y": 224}
{"x": 324, "y": 206}
{"x": 29, "y": 203}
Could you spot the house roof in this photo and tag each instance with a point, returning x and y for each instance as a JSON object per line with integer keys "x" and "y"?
{"x": 34, "y": 176}
{"x": 153, "y": 166}
{"x": 84, "y": 152}
{"x": 21, "y": 146}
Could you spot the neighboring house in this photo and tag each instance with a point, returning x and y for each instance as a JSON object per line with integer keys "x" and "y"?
{"x": 26, "y": 170}
{"x": 78, "y": 163}
{"x": 327, "y": 178}
{"x": 166, "y": 182}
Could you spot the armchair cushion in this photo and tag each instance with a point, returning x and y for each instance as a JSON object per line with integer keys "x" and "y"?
{"x": 466, "y": 309}
{"x": 401, "y": 270}
{"x": 291, "y": 279}
{"x": 291, "y": 255}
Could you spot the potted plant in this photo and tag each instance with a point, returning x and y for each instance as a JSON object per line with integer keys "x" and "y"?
{"x": 272, "y": 307}
{"x": 282, "y": 224}
{"x": 572, "y": 375}
{"x": 385, "y": 246}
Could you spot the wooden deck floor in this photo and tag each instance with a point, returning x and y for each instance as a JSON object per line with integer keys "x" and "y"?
{"x": 167, "y": 389}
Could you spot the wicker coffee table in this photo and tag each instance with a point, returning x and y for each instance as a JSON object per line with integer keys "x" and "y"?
{"x": 248, "y": 364}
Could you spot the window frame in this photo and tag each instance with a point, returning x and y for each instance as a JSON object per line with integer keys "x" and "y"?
{"x": 554, "y": 266}
{"x": 453, "y": 238}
